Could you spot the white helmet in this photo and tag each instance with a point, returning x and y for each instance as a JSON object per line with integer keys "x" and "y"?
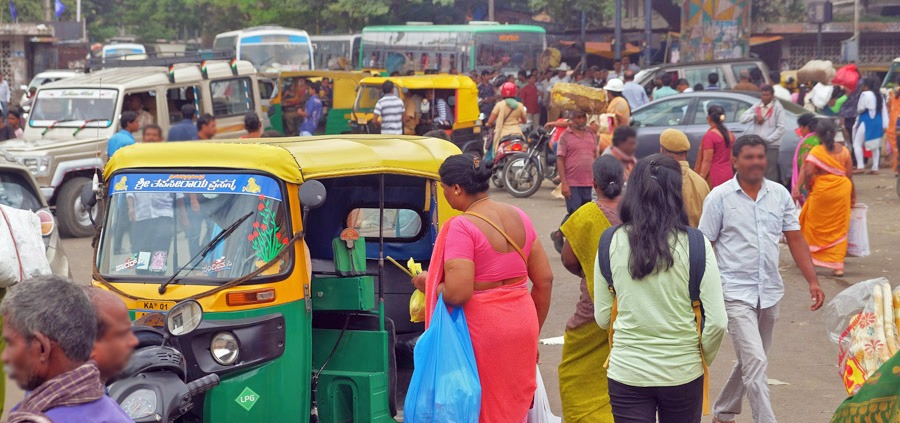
{"x": 615, "y": 85}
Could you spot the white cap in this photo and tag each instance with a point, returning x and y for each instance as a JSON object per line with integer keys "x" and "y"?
{"x": 615, "y": 85}
{"x": 563, "y": 67}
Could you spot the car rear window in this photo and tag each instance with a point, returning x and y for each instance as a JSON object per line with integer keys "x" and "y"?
{"x": 16, "y": 191}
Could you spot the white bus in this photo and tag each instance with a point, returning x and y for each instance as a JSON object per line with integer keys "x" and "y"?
{"x": 329, "y": 49}
{"x": 126, "y": 51}
{"x": 269, "y": 47}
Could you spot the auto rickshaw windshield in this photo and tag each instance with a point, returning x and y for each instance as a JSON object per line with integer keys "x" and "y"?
{"x": 158, "y": 223}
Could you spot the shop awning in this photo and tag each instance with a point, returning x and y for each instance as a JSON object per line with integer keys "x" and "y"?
{"x": 605, "y": 49}
{"x": 763, "y": 39}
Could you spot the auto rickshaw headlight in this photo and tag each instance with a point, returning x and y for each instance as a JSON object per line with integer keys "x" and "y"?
{"x": 224, "y": 348}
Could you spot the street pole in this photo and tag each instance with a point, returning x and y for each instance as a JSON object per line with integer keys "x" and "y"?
{"x": 618, "y": 33}
{"x": 819, "y": 48}
{"x": 78, "y": 11}
{"x": 491, "y": 10}
{"x": 584, "y": 65}
{"x": 648, "y": 30}
{"x": 48, "y": 10}
{"x": 856, "y": 26}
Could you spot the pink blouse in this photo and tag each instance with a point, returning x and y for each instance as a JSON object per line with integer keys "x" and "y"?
{"x": 466, "y": 241}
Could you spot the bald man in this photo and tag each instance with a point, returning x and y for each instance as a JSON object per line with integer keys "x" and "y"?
{"x": 115, "y": 341}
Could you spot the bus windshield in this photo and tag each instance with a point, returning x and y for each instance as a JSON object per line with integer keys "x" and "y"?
{"x": 509, "y": 52}
{"x": 289, "y": 57}
{"x": 157, "y": 222}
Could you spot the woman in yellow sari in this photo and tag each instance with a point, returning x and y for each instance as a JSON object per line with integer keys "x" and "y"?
{"x": 582, "y": 378}
{"x": 825, "y": 218}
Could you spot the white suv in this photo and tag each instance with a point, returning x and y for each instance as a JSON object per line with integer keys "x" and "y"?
{"x": 42, "y": 78}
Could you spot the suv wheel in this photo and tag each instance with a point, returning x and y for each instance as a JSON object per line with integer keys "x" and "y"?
{"x": 74, "y": 219}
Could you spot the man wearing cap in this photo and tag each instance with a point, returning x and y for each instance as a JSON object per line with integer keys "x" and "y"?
{"x": 694, "y": 189}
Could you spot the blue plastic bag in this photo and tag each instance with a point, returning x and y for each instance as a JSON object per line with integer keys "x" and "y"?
{"x": 444, "y": 387}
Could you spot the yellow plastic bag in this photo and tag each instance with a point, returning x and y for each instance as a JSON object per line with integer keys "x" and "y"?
{"x": 417, "y": 299}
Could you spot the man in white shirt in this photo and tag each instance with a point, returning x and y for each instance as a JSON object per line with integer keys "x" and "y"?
{"x": 747, "y": 247}
{"x": 767, "y": 120}
{"x": 4, "y": 95}
{"x": 780, "y": 91}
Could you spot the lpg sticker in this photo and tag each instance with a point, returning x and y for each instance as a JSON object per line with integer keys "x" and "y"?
{"x": 130, "y": 262}
{"x": 247, "y": 399}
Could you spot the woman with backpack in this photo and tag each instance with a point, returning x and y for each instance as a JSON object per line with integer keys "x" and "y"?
{"x": 659, "y": 353}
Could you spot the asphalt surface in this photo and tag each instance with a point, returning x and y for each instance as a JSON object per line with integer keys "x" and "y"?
{"x": 803, "y": 363}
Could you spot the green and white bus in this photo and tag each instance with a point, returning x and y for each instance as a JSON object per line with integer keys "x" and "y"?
{"x": 477, "y": 46}
{"x": 331, "y": 49}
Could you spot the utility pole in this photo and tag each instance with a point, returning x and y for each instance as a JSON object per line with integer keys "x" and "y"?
{"x": 618, "y": 33}
{"x": 856, "y": 23}
{"x": 77, "y": 10}
{"x": 584, "y": 65}
{"x": 491, "y": 10}
{"x": 48, "y": 10}
{"x": 648, "y": 31}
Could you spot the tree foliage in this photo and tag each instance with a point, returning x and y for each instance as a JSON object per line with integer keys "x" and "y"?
{"x": 774, "y": 11}
{"x": 567, "y": 13}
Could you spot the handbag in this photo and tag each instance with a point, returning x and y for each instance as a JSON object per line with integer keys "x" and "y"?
{"x": 22, "y": 251}
{"x": 858, "y": 235}
{"x": 444, "y": 387}
{"x": 540, "y": 411}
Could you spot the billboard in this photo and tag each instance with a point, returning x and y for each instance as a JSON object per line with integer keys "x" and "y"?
{"x": 714, "y": 29}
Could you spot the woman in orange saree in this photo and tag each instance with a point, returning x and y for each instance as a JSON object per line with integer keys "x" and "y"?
{"x": 825, "y": 218}
{"x": 482, "y": 261}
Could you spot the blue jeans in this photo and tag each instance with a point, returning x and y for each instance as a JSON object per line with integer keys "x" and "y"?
{"x": 580, "y": 196}
{"x": 3, "y": 104}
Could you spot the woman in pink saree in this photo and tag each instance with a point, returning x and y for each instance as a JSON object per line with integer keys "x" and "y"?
{"x": 482, "y": 261}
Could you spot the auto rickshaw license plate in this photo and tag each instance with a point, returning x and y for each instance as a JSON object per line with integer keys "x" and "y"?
{"x": 361, "y": 121}
{"x": 146, "y": 307}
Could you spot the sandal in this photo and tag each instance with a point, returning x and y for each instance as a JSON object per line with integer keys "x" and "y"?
{"x": 716, "y": 420}
{"x": 859, "y": 171}
{"x": 838, "y": 273}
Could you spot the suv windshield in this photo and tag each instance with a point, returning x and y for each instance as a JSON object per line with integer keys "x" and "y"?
{"x": 157, "y": 222}
{"x": 73, "y": 106}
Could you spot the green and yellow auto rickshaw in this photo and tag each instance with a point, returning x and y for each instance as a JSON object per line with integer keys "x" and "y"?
{"x": 338, "y": 108}
{"x": 459, "y": 91}
{"x": 282, "y": 243}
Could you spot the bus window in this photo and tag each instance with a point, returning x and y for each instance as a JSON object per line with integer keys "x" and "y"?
{"x": 228, "y": 42}
{"x": 231, "y": 97}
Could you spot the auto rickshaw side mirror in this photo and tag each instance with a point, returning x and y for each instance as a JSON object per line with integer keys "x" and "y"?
{"x": 312, "y": 194}
{"x": 184, "y": 318}
{"x": 88, "y": 196}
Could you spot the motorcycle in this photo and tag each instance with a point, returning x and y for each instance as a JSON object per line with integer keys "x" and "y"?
{"x": 507, "y": 147}
{"x": 525, "y": 172}
{"x": 154, "y": 387}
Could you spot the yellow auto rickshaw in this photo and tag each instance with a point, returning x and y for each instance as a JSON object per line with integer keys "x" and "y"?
{"x": 282, "y": 243}
{"x": 338, "y": 103}
{"x": 420, "y": 94}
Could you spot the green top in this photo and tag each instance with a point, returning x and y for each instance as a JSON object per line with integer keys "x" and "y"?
{"x": 655, "y": 341}
{"x": 838, "y": 103}
{"x": 805, "y": 148}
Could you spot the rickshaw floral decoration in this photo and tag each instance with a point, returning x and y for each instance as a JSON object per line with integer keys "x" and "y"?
{"x": 266, "y": 237}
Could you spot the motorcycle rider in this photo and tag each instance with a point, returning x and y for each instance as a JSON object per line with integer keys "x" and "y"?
{"x": 506, "y": 117}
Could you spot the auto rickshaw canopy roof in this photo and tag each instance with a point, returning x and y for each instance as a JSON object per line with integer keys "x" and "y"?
{"x": 425, "y": 82}
{"x": 294, "y": 159}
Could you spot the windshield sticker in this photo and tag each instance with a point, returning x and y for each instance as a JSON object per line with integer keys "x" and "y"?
{"x": 197, "y": 184}
{"x": 143, "y": 260}
{"x": 130, "y": 262}
{"x": 78, "y": 93}
{"x": 158, "y": 262}
{"x": 266, "y": 238}
{"x": 218, "y": 265}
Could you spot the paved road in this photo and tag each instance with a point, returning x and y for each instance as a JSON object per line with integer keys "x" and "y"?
{"x": 801, "y": 357}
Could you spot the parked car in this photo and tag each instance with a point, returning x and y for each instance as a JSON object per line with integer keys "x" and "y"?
{"x": 696, "y": 73}
{"x": 42, "y": 78}
{"x": 18, "y": 189}
{"x": 687, "y": 112}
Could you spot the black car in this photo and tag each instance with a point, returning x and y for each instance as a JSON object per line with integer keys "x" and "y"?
{"x": 687, "y": 112}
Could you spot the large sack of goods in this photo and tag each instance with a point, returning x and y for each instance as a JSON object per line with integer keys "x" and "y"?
{"x": 821, "y": 71}
{"x": 566, "y": 96}
{"x": 22, "y": 253}
{"x": 863, "y": 320}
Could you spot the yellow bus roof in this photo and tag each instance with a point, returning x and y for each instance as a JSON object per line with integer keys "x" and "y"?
{"x": 423, "y": 82}
{"x": 294, "y": 159}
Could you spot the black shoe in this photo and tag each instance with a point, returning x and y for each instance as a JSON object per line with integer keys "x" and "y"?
{"x": 558, "y": 240}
